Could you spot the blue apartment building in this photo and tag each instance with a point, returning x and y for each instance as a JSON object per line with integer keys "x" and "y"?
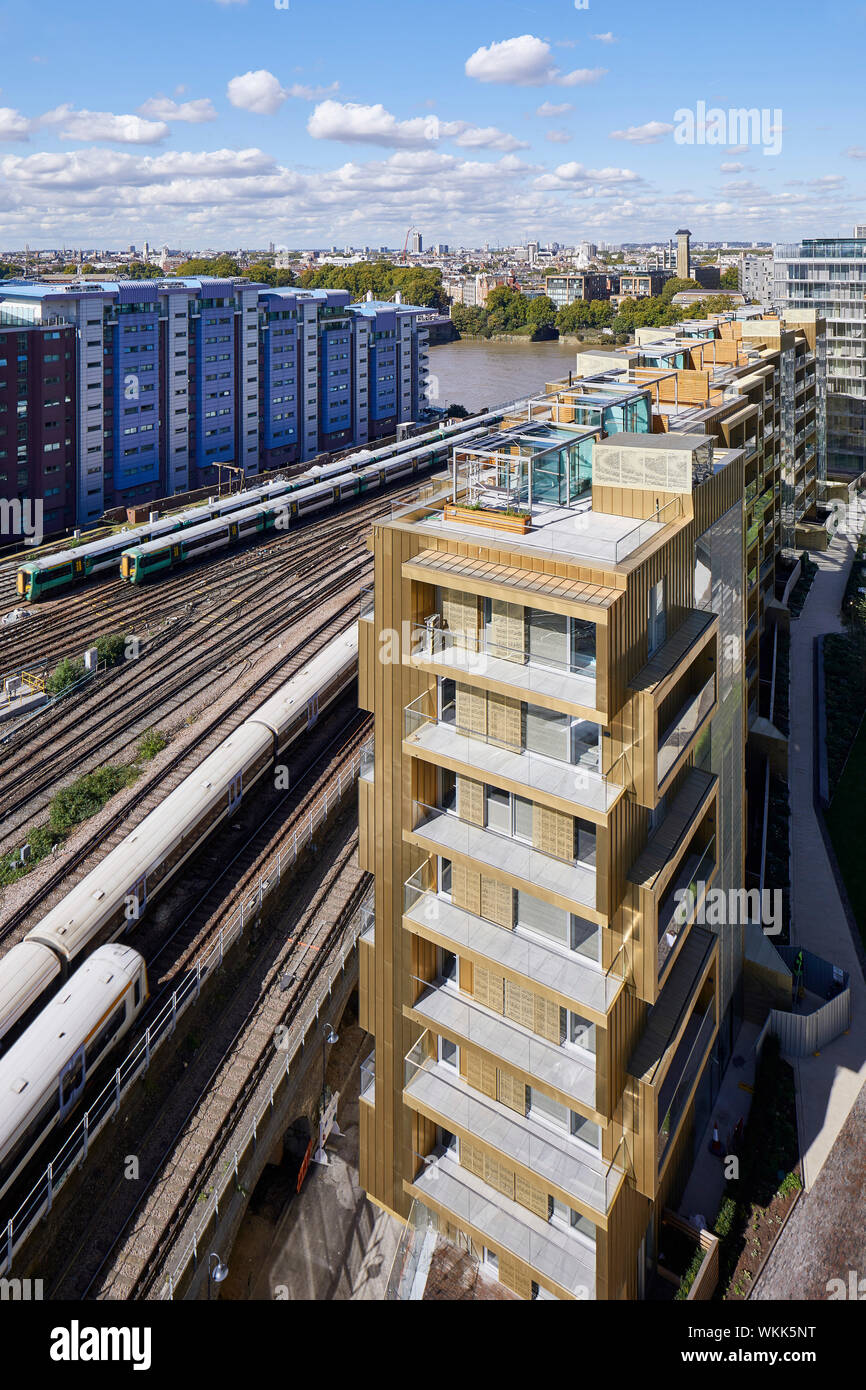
{"x": 175, "y": 377}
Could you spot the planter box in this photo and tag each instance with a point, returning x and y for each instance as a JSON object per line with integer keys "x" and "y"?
{"x": 491, "y": 519}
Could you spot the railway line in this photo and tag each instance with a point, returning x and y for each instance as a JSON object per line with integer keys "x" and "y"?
{"x": 65, "y": 625}
{"x": 109, "y": 1213}
{"x": 109, "y": 720}
{"x": 144, "y": 798}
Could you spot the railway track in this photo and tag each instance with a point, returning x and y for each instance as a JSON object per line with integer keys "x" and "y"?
{"x": 299, "y": 957}
{"x": 216, "y": 729}
{"x": 185, "y": 678}
{"x": 67, "y": 624}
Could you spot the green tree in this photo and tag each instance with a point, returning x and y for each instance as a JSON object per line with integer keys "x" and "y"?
{"x": 571, "y": 317}
{"x": 730, "y": 279}
{"x": 468, "y": 319}
{"x": 266, "y": 275}
{"x": 674, "y": 285}
{"x": 220, "y": 267}
{"x": 541, "y": 312}
{"x": 138, "y": 270}
{"x": 506, "y": 309}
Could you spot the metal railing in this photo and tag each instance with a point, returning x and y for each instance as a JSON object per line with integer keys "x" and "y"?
{"x": 365, "y": 605}
{"x": 577, "y": 976}
{"x": 579, "y": 782}
{"x": 368, "y": 758}
{"x": 538, "y": 1147}
{"x": 73, "y": 1152}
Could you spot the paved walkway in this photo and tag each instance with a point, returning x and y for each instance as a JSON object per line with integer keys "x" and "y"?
{"x": 827, "y": 1085}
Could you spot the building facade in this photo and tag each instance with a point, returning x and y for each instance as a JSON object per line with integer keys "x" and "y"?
{"x": 559, "y": 732}
{"x": 176, "y": 377}
{"x": 566, "y": 289}
{"x": 828, "y": 276}
{"x": 561, "y": 719}
{"x": 755, "y": 279}
{"x": 37, "y": 422}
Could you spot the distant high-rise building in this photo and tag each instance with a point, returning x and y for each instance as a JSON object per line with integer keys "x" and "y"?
{"x": 684, "y": 260}
{"x": 828, "y": 274}
{"x": 417, "y": 244}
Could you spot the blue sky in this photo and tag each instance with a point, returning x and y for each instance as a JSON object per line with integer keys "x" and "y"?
{"x": 233, "y": 122}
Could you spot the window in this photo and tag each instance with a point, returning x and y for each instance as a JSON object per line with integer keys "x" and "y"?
{"x": 449, "y": 1053}
{"x": 656, "y": 624}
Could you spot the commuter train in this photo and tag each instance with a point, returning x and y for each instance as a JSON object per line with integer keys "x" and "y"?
{"x": 142, "y": 562}
{"x": 110, "y": 900}
{"x": 42, "y": 1076}
{"x": 63, "y": 568}
{"x": 66, "y": 567}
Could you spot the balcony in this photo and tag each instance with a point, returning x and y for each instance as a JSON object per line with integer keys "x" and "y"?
{"x": 676, "y": 910}
{"x": 497, "y": 1221}
{"x": 469, "y": 654}
{"x": 684, "y": 1071}
{"x": 442, "y": 832}
{"x": 368, "y": 1078}
{"x": 368, "y": 759}
{"x": 678, "y": 1031}
{"x": 365, "y": 607}
{"x": 684, "y": 728}
{"x": 577, "y": 784}
{"x": 440, "y": 1093}
{"x": 573, "y": 974}
{"x": 443, "y": 1009}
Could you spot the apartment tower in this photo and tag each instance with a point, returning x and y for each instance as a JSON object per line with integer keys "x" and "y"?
{"x": 554, "y": 658}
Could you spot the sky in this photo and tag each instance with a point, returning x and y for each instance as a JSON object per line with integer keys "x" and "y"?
{"x": 236, "y": 123}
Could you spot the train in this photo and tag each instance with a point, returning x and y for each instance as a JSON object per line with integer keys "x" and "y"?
{"x": 43, "y": 1075}
{"x": 60, "y": 570}
{"x": 140, "y": 563}
{"x": 37, "y": 578}
{"x": 112, "y": 898}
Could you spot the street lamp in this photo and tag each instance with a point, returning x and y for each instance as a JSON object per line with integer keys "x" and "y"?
{"x": 329, "y": 1037}
{"x": 216, "y": 1272}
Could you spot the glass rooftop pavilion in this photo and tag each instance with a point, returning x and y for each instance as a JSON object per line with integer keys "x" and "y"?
{"x": 542, "y": 469}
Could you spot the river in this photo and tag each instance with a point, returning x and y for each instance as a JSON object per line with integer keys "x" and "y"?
{"x": 477, "y": 372}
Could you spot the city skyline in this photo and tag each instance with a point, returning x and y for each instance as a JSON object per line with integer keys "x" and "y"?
{"x": 549, "y": 121}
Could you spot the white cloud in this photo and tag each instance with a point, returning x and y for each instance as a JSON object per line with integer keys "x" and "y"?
{"x": 304, "y": 93}
{"x": 558, "y": 137}
{"x": 103, "y": 125}
{"x": 13, "y": 126}
{"x": 578, "y": 173}
{"x": 853, "y": 152}
{"x": 648, "y": 134}
{"x": 257, "y": 91}
{"x": 370, "y": 125}
{"x": 166, "y": 109}
{"x": 606, "y": 38}
{"x": 374, "y": 125}
{"x": 525, "y": 61}
{"x": 733, "y": 167}
{"x": 552, "y": 108}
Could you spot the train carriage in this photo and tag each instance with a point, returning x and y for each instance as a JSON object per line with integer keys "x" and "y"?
{"x": 43, "y": 1075}
{"x": 109, "y": 901}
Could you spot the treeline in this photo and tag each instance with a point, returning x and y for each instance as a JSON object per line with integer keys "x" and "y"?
{"x": 416, "y": 285}
{"x": 509, "y": 311}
